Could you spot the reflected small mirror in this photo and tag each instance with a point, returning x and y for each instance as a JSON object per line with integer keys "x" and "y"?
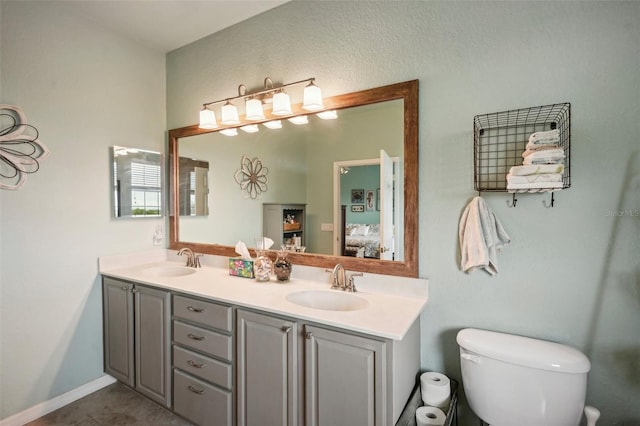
{"x": 136, "y": 183}
{"x": 193, "y": 187}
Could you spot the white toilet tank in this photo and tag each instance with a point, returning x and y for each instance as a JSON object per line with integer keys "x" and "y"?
{"x": 513, "y": 380}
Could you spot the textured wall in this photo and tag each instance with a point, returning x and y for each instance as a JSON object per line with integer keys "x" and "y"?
{"x": 571, "y": 272}
{"x": 85, "y": 90}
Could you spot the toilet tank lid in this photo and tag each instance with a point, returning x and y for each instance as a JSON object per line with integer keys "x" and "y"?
{"x": 524, "y": 351}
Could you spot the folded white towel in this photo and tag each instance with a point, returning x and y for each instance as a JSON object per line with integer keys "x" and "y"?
{"x": 536, "y": 169}
{"x": 544, "y": 138}
{"x": 530, "y": 151}
{"x": 544, "y": 177}
{"x": 481, "y": 235}
{"x": 553, "y": 143}
{"x": 534, "y": 186}
{"x": 548, "y": 156}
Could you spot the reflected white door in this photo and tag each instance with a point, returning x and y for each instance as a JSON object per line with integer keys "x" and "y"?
{"x": 386, "y": 206}
{"x": 202, "y": 191}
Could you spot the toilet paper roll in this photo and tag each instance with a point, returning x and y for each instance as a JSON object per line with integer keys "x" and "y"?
{"x": 435, "y": 389}
{"x": 430, "y": 416}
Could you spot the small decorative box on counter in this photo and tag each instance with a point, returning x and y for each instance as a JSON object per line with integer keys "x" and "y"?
{"x": 241, "y": 267}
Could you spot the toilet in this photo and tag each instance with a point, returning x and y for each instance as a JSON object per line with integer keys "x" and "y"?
{"x": 513, "y": 380}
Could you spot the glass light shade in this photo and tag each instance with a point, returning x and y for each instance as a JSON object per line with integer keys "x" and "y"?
{"x": 328, "y": 115}
{"x": 281, "y": 104}
{"x": 229, "y": 132}
{"x": 229, "y": 114}
{"x": 273, "y": 124}
{"x": 250, "y": 128}
{"x": 312, "y": 98}
{"x": 207, "y": 119}
{"x": 299, "y": 119}
{"x": 253, "y": 108}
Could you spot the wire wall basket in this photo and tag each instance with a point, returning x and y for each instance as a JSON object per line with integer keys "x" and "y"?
{"x": 500, "y": 138}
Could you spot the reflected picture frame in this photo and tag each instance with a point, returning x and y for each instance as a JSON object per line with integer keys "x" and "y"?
{"x": 357, "y": 196}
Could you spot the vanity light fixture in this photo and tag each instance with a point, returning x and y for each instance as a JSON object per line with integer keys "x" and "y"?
{"x": 273, "y": 124}
{"x": 253, "y": 109}
{"x": 250, "y": 128}
{"x": 299, "y": 119}
{"x": 229, "y": 114}
{"x": 229, "y": 132}
{"x": 281, "y": 104}
{"x": 207, "y": 119}
{"x": 254, "y": 103}
{"x": 312, "y": 98}
{"x": 328, "y": 115}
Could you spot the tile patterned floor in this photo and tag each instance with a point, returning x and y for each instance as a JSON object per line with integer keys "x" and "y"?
{"x": 113, "y": 405}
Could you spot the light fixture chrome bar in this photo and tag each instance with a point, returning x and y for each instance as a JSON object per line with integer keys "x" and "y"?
{"x": 267, "y": 90}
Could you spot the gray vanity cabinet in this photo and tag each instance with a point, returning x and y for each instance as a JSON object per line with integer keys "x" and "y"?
{"x": 345, "y": 379}
{"x": 136, "y": 337}
{"x": 203, "y": 361}
{"x": 267, "y": 370}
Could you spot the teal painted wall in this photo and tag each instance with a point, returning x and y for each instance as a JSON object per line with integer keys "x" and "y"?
{"x": 571, "y": 272}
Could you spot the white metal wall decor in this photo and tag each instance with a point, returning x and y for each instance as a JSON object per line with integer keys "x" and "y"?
{"x": 252, "y": 177}
{"x": 20, "y": 149}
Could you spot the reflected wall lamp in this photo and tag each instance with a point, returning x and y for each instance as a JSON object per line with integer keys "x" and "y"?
{"x": 254, "y": 106}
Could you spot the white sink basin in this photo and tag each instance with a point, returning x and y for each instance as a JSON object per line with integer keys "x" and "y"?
{"x": 328, "y": 300}
{"x": 169, "y": 271}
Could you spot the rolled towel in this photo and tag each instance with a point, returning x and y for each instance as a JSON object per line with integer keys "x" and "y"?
{"x": 545, "y": 138}
{"x": 535, "y": 169}
{"x": 544, "y": 177}
{"x": 547, "y": 156}
{"x": 530, "y": 150}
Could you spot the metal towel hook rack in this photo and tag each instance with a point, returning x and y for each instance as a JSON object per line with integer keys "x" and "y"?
{"x": 514, "y": 200}
{"x": 553, "y": 200}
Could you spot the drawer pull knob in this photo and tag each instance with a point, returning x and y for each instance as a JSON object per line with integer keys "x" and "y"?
{"x": 196, "y": 389}
{"x": 196, "y": 310}
{"x": 286, "y": 328}
{"x": 195, "y": 364}
{"x": 125, "y": 287}
{"x": 308, "y": 335}
{"x": 194, "y": 337}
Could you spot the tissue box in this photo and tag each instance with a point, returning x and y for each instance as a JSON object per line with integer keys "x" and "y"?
{"x": 241, "y": 267}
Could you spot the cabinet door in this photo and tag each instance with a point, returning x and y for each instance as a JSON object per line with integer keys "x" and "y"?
{"x": 152, "y": 316}
{"x": 267, "y": 364}
{"x": 345, "y": 379}
{"x": 117, "y": 311}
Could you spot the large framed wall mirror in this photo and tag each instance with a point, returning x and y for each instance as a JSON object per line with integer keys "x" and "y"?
{"x": 356, "y": 176}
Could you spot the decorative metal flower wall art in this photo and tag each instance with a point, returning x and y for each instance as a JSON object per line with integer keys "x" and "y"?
{"x": 20, "y": 149}
{"x": 252, "y": 177}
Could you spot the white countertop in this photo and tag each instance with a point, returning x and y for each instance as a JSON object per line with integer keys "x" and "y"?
{"x": 388, "y": 315}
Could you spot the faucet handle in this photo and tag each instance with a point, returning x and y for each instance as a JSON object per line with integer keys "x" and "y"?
{"x": 196, "y": 261}
{"x": 351, "y": 286}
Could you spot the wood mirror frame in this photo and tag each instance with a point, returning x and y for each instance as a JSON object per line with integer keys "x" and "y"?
{"x": 408, "y": 92}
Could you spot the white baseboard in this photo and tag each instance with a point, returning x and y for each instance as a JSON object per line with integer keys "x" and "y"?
{"x": 46, "y": 407}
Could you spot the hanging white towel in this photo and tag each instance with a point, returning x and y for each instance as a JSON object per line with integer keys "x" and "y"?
{"x": 481, "y": 236}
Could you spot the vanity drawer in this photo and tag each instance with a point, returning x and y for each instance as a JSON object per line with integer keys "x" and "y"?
{"x": 202, "y": 340}
{"x": 205, "y": 313}
{"x": 200, "y": 402}
{"x": 209, "y": 369}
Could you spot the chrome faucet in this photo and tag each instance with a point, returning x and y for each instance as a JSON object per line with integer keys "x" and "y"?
{"x": 193, "y": 260}
{"x": 338, "y": 276}
{"x": 340, "y": 280}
